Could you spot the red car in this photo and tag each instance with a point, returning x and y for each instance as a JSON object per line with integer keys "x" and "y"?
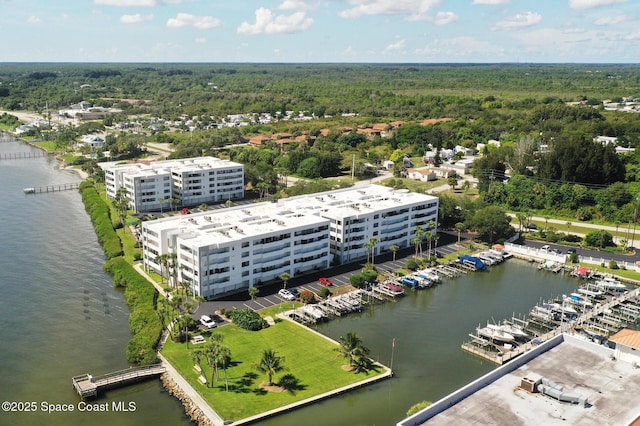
{"x": 325, "y": 281}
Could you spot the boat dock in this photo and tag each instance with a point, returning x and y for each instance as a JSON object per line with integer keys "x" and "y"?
{"x": 88, "y": 386}
{"x": 24, "y": 155}
{"x": 599, "y": 322}
{"x": 52, "y": 188}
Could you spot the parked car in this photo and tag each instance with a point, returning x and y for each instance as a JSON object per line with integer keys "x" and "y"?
{"x": 207, "y": 321}
{"x": 545, "y": 247}
{"x": 325, "y": 281}
{"x": 530, "y": 226}
{"x": 295, "y": 292}
{"x": 571, "y": 251}
{"x": 286, "y": 294}
{"x": 556, "y": 251}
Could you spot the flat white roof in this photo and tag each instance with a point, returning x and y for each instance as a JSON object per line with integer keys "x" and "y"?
{"x": 164, "y": 166}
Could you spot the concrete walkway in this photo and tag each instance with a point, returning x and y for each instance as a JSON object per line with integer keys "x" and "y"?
{"x": 192, "y": 393}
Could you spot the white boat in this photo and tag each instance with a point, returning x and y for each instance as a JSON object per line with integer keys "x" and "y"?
{"x": 513, "y": 329}
{"x": 578, "y": 300}
{"x": 430, "y": 275}
{"x": 610, "y": 283}
{"x": 591, "y": 291}
{"x": 496, "y": 334}
{"x": 29, "y": 190}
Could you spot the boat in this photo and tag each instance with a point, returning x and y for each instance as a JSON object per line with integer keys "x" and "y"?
{"x": 29, "y": 190}
{"x": 578, "y": 300}
{"x": 610, "y": 283}
{"x": 495, "y": 334}
{"x": 430, "y": 275}
{"x": 511, "y": 328}
{"x": 475, "y": 262}
{"x": 591, "y": 291}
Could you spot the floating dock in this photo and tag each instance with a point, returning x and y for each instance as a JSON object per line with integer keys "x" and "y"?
{"x": 88, "y": 386}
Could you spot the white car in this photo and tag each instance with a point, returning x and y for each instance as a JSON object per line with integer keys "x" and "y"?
{"x": 207, "y": 321}
{"x": 286, "y": 294}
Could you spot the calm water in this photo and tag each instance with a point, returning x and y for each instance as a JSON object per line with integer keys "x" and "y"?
{"x": 61, "y": 317}
{"x": 59, "y": 312}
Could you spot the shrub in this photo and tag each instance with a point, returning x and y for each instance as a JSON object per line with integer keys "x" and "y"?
{"x": 411, "y": 265}
{"x": 370, "y": 275}
{"x": 137, "y": 256}
{"x": 307, "y": 296}
{"x": 613, "y": 264}
{"x": 324, "y": 292}
{"x": 248, "y": 319}
{"x": 357, "y": 280}
{"x": 100, "y": 218}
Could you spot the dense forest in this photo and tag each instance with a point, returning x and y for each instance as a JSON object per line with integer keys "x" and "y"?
{"x": 545, "y": 117}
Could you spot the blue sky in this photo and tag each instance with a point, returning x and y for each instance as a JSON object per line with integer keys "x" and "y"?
{"x": 421, "y": 31}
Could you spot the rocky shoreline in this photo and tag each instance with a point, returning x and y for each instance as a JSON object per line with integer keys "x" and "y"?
{"x": 191, "y": 409}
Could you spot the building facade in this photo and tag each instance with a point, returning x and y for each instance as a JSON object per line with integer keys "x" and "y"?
{"x": 241, "y": 247}
{"x": 151, "y": 185}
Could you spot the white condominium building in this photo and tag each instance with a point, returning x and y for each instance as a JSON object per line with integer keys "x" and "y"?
{"x": 240, "y": 247}
{"x": 151, "y": 185}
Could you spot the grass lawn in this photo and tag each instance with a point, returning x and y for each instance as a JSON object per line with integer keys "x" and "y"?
{"x": 310, "y": 358}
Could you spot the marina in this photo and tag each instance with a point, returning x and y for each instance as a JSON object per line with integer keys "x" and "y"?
{"x": 593, "y": 314}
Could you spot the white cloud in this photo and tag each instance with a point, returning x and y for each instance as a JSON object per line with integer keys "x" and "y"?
{"x": 444, "y": 18}
{"x": 397, "y": 47}
{"x": 298, "y": 5}
{"x": 610, "y": 20}
{"x": 183, "y": 20}
{"x": 519, "y": 20}
{"x": 135, "y": 19}
{"x": 415, "y": 10}
{"x": 491, "y": 2}
{"x": 127, "y": 3}
{"x": 588, "y": 4}
{"x": 200, "y": 40}
{"x": 34, "y": 20}
{"x": 268, "y": 23}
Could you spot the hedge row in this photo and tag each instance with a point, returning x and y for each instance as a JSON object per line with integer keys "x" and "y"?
{"x": 141, "y": 297}
{"x": 98, "y": 212}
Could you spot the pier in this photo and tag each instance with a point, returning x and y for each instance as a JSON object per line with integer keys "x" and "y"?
{"x": 88, "y": 386}
{"x": 603, "y": 320}
{"x": 52, "y": 188}
{"x": 24, "y": 155}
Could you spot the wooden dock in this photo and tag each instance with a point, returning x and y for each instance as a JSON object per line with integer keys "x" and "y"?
{"x": 52, "y": 188}
{"x": 24, "y": 155}
{"x": 88, "y": 386}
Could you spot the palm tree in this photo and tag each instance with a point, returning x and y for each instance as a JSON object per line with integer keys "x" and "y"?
{"x": 270, "y": 364}
{"x": 419, "y": 234}
{"x": 351, "y": 348}
{"x": 416, "y": 242}
{"x": 394, "y": 248}
{"x": 161, "y": 200}
{"x": 429, "y": 238}
{"x": 459, "y": 227}
{"x": 224, "y": 356}
{"x": 285, "y": 277}
{"x": 253, "y": 293}
{"x": 173, "y": 202}
{"x": 522, "y": 216}
{"x": 374, "y": 242}
{"x": 197, "y": 356}
{"x": 367, "y": 247}
{"x": 163, "y": 260}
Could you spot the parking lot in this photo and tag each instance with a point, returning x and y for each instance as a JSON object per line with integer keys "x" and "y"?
{"x": 339, "y": 276}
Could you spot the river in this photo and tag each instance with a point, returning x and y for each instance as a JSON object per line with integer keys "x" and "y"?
{"x": 61, "y": 317}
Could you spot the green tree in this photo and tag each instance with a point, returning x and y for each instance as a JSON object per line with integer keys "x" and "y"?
{"x": 394, "y": 248}
{"x": 352, "y": 348}
{"x": 285, "y": 277}
{"x": 492, "y": 223}
{"x": 460, "y": 227}
{"x": 270, "y": 364}
{"x": 253, "y": 293}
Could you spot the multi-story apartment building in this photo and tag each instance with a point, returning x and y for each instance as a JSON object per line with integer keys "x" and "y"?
{"x": 240, "y": 247}
{"x": 151, "y": 185}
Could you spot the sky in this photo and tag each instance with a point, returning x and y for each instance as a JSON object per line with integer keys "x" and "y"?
{"x": 321, "y": 31}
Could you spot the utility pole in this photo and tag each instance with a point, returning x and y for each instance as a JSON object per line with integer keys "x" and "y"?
{"x": 353, "y": 167}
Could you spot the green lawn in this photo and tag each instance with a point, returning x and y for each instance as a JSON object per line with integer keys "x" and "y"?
{"x": 309, "y": 357}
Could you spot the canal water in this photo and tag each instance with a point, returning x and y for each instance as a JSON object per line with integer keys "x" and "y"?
{"x": 61, "y": 317}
